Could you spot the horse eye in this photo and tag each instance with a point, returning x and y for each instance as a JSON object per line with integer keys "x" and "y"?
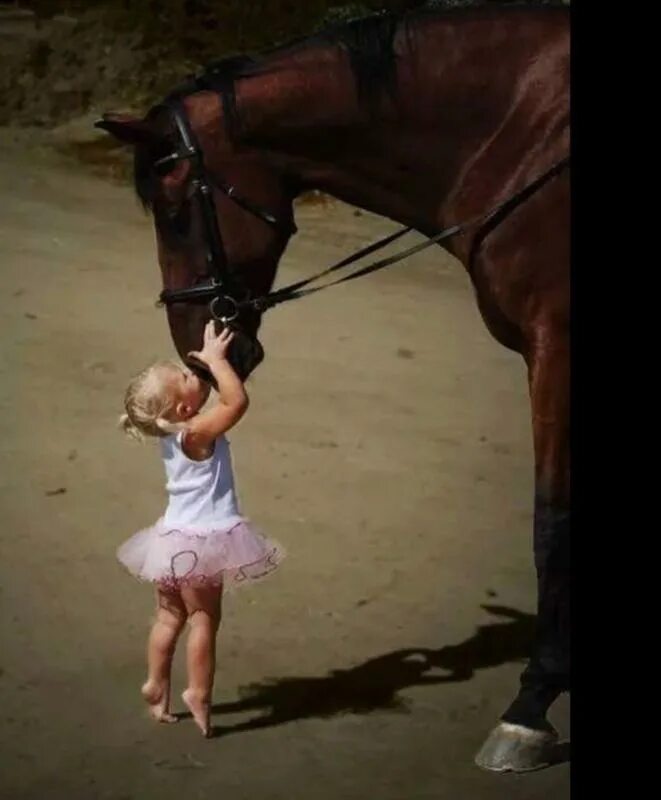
{"x": 166, "y": 163}
{"x": 163, "y": 168}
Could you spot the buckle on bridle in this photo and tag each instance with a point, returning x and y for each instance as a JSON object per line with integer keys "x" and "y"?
{"x": 224, "y": 318}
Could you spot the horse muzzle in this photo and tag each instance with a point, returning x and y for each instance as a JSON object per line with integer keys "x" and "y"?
{"x": 245, "y": 354}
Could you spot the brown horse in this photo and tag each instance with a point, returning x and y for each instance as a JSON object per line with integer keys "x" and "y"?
{"x": 427, "y": 119}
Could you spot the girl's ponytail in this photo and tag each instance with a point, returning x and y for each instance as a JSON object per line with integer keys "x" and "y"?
{"x": 125, "y": 425}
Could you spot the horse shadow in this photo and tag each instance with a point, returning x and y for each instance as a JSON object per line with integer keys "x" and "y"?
{"x": 374, "y": 685}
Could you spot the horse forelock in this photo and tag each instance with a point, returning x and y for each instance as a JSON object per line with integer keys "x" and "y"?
{"x": 143, "y": 178}
{"x": 144, "y": 156}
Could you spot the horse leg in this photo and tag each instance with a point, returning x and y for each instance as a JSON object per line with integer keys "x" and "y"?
{"x": 525, "y": 739}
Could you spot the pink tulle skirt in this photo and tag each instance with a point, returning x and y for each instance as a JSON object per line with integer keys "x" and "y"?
{"x": 175, "y": 556}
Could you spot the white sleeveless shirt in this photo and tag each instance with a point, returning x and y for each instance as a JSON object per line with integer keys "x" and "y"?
{"x": 201, "y": 493}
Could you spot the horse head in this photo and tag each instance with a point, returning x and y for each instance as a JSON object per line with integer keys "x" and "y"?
{"x": 222, "y": 215}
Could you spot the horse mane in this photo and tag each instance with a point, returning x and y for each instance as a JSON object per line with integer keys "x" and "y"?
{"x": 368, "y": 40}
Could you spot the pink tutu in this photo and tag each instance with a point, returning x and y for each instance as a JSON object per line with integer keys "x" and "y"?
{"x": 173, "y": 556}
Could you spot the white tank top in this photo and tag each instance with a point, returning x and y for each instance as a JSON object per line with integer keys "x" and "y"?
{"x": 201, "y": 493}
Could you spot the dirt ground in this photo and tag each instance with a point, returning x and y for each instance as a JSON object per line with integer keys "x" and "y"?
{"x": 387, "y": 447}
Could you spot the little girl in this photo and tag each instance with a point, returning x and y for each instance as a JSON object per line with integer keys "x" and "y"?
{"x": 202, "y": 542}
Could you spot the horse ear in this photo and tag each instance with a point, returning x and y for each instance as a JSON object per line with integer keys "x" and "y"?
{"x": 128, "y": 129}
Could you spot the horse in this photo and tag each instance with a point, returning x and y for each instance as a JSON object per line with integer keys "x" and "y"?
{"x": 429, "y": 118}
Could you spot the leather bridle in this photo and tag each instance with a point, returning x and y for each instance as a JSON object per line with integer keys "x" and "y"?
{"x": 222, "y": 284}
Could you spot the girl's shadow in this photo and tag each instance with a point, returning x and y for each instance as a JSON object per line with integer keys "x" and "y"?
{"x": 374, "y": 684}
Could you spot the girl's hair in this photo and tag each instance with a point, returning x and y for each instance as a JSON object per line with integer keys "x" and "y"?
{"x": 147, "y": 400}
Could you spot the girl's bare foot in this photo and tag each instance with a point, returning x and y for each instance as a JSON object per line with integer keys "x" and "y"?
{"x": 158, "y": 700}
{"x": 200, "y": 709}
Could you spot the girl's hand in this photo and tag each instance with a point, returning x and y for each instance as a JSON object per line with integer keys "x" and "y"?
{"x": 214, "y": 347}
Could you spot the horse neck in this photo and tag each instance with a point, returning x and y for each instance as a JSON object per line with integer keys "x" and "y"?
{"x": 458, "y": 135}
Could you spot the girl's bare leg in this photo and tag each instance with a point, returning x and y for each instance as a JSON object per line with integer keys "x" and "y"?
{"x": 170, "y": 619}
{"x": 204, "y": 613}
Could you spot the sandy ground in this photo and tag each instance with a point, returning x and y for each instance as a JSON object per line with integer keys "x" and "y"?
{"x": 388, "y": 447}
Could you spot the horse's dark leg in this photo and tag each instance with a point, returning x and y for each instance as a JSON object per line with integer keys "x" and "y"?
{"x": 524, "y": 741}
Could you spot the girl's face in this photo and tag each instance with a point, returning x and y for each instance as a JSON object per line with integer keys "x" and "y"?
{"x": 190, "y": 392}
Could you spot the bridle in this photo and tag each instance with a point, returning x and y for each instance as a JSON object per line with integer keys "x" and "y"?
{"x": 226, "y": 291}
{"x": 223, "y": 286}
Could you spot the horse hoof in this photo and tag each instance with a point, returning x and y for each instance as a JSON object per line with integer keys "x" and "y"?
{"x": 514, "y": 748}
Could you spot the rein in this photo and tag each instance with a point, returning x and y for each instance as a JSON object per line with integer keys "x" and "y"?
{"x": 294, "y": 291}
